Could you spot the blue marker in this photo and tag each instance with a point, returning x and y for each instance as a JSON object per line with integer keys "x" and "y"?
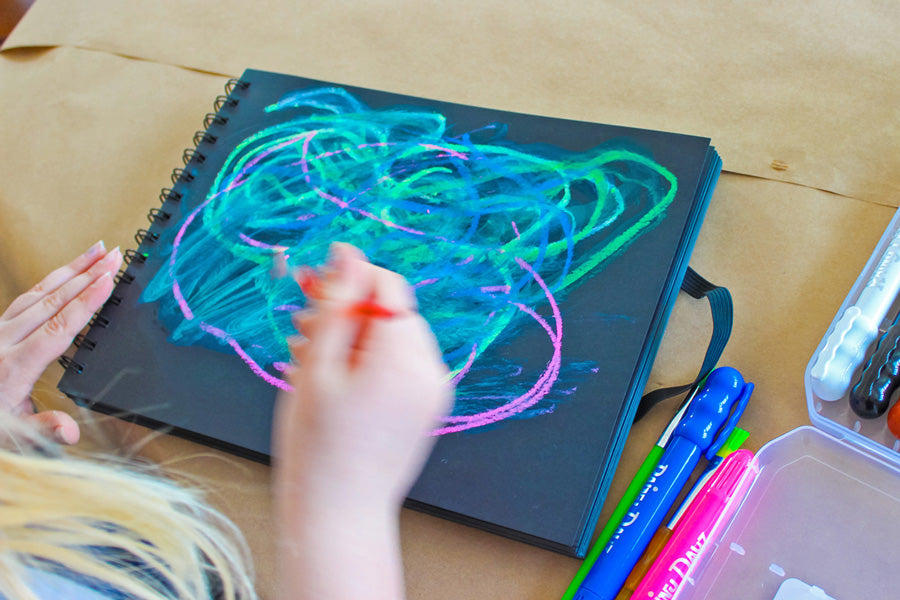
{"x": 712, "y": 416}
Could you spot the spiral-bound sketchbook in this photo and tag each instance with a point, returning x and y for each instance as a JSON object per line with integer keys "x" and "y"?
{"x": 545, "y": 254}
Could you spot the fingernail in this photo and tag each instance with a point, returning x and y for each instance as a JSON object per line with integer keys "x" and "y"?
{"x": 101, "y": 280}
{"x": 64, "y": 435}
{"x": 96, "y": 249}
{"x": 114, "y": 255}
{"x": 279, "y": 265}
{"x": 335, "y": 256}
{"x": 309, "y": 282}
{"x": 338, "y": 258}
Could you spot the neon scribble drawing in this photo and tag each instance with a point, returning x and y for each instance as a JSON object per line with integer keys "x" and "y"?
{"x": 491, "y": 234}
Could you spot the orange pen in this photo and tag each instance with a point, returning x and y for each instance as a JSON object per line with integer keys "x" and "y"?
{"x": 363, "y": 310}
{"x": 311, "y": 286}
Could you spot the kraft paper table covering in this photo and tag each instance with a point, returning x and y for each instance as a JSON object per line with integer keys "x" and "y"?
{"x": 90, "y": 138}
{"x": 788, "y": 90}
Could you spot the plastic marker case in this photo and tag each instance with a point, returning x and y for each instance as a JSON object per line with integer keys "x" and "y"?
{"x": 825, "y": 508}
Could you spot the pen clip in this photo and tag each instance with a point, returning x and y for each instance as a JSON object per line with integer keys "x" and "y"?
{"x": 679, "y": 414}
{"x": 739, "y": 406}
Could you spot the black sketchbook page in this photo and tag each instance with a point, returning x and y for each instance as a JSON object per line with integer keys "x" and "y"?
{"x": 539, "y": 479}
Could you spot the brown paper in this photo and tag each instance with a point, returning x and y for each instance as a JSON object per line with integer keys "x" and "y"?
{"x": 786, "y": 91}
{"x": 91, "y": 137}
{"x": 90, "y": 140}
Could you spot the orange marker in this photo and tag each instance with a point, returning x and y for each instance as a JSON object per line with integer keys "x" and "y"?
{"x": 371, "y": 309}
{"x": 309, "y": 283}
{"x": 311, "y": 286}
{"x": 893, "y": 420}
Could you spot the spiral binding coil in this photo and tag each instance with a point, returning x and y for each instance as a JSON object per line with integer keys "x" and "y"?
{"x": 192, "y": 154}
{"x": 204, "y": 137}
{"x": 123, "y": 277}
{"x": 214, "y": 119}
{"x": 144, "y": 235}
{"x": 192, "y": 158}
{"x": 68, "y": 363}
{"x": 133, "y": 256}
{"x": 169, "y": 195}
{"x": 157, "y": 215}
{"x": 99, "y": 321}
{"x": 82, "y": 342}
{"x": 181, "y": 175}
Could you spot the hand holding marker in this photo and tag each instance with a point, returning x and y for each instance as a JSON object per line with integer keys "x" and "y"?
{"x": 711, "y": 417}
{"x": 857, "y": 328}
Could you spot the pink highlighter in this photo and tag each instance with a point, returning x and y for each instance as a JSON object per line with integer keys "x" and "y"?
{"x": 702, "y": 522}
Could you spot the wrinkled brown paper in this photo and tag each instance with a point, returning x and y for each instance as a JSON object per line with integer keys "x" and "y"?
{"x": 98, "y": 100}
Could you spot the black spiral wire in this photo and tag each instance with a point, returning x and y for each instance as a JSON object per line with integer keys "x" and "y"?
{"x": 192, "y": 158}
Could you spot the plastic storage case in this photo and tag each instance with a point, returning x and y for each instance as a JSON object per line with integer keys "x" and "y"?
{"x": 825, "y": 507}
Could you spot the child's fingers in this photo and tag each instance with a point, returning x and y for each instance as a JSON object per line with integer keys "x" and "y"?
{"x": 52, "y": 338}
{"x": 298, "y": 348}
{"x": 54, "y": 280}
{"x": 347, "y": 282}
{"x": 346, "y": 276}
{"x": 405, "y": 340}
{"x": 305, "y": 322}
{"x": 58, "y": 425}
{"x": 51, "y": 305}
{"x": 393, "y": 292}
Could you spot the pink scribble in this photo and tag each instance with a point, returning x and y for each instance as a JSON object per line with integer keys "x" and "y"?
{"x": 425, "y": 282}
{"x": 465, "y": 368}
{"x": 257, "y": 244}
{"x": 176, "y": 289}
{"x": 541, "y": 387}
{"x": 304, "y": 167}
{"x": 331, "y": 153}
{"x": 449, "y": 151}
{"x": 182, "y": 303}
{"x": 516, "y": 229}
{"x": 390, "y": 224}
{"x": 288, "y": 307}
{"x": 254, "y": 366}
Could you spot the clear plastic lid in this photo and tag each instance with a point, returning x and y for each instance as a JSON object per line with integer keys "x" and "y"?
{"x": 821, "y": 511}
{"x": 825, "y": 507}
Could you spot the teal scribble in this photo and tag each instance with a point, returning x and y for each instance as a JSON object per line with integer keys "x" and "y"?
{"x": 490, "y": 233}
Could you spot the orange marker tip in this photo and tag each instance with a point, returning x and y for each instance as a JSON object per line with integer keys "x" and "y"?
{"x": 369, "y": 308}
{"x": 309, "y": 282}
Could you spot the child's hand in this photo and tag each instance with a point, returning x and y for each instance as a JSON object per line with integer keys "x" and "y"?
{"x": 352, "y": 436}
{"x": 349, "y": 440}
{"x": 39, "y": 326}
{"x": 367, "y": 390}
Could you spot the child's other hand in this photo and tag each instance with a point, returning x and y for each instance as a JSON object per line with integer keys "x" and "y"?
{"x": 40, "y": 325}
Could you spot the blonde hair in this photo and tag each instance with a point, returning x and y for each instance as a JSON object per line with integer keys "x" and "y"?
{"x": 110, "y": 525}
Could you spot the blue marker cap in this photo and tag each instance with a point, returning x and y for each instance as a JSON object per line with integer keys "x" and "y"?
{"x": 724, "y": 394}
